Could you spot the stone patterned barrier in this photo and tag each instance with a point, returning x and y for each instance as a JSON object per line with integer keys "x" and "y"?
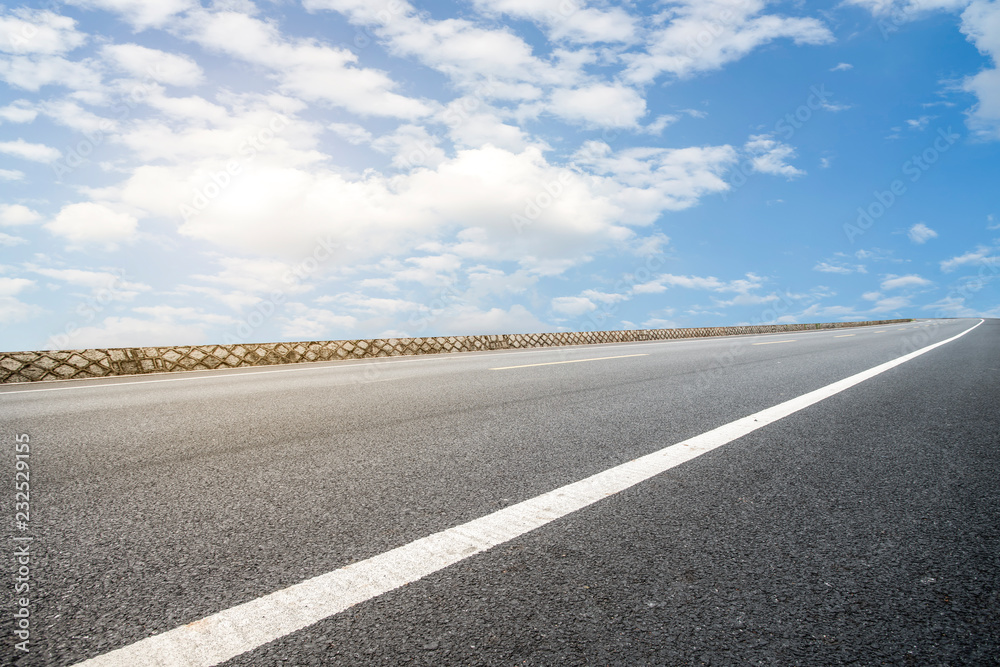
{"x": 77, "y": 364}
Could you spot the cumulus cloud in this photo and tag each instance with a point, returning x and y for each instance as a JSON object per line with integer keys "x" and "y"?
{"x": 151, "y": 326}
{"x": 308, "y": 69}
{"x": 844, "y": 269}
{"x": 31, "y": 31}
{"x": 17, "y": 214}
{"x": 568, "y": 20}
{"x": 573, "y": 306}
{"x": 140, "y": 13}
{"x": 981, "y": 25}
{"x": 921, "y": 233}
{"x": 705, "y": 35}
{"x": 599, "y": 104}
{"x": 91, "y": 222}
{"x": 153, "y": 64}
{"x": 982, "y": 255}
{"x": 898, "y": 282}
{"x": 30, "y": 151}
{"x": 769, "y": 156}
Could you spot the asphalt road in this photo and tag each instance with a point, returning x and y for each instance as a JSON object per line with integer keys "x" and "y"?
{"x": 864, "y": 529}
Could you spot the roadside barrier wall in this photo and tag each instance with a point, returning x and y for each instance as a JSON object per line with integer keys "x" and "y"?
{"x": 91, "y": 363}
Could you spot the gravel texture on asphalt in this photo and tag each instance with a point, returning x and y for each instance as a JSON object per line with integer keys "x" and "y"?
{"x": 862, "y": 530}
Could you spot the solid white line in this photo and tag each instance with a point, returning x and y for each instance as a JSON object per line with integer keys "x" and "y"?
{"x": 571, "y": 361}
{"x": 242, "y": 628}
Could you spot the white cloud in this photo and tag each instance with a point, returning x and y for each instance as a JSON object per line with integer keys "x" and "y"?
{"x": 841, "y": 67}
{"x": 352, "y": 133}
{"x": 599, "y": 104}
{"x": 573, "y": 306}
{"x": 32, "y": 73}
{"x": 898, "y": 282}
{"x": 28, "y": 151}
{"x": 871, "y": 296}
{"x": 990, "y": 223}
{"x": 18, "y": 112}
{"x": 15, "y": 311}
{"x": 11, "y": 175}
{"x": 704, "y": 35}
{"x": 166, "y": 327}
{"x": 91, "y": 222}
{"x": 464, "y": 319}
{"x": 140, "y": 13}
{"x": 981, "y": 25}
{"x": 569, "y": 21}
{"x": 900, "y": 11}
{"x": 495, "y": 63}
{"x": 524, "y": 209}
{"x": 307, "y": 323}
{"x": 304, "y": 68}
{"x": 742, "y": 286}
{"x": 17, "y": 214}
{"x": 480, "y": 126}
{"x": 921, "y": 233}
{"x": 153, "y": 64}
{"x": 13, "y": 286}
{"x": 845, "y": 269}
{"x": 410, "y": 146}
{"x": 658, "y": 179}
{"x": 31, "y": 31}
{"x": 112, "y": 285}
{"x": 361, "y": 303}
{"x": 979, "y": 256}
{"x": 768, "y": 156}
{"x": 890, "y": 304}
{"x": 919, "y": 124}
{"x": 605, "y": 297}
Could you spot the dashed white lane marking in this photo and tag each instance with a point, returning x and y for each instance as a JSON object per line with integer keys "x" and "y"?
{"x": 571, "y": 361}
{"x": 774, "y": 342}
{"x": 242, "y": 628}
{"x": 845, "y": 336}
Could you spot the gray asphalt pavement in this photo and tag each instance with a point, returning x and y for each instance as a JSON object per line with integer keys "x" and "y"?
{"x": 864, "y": 529}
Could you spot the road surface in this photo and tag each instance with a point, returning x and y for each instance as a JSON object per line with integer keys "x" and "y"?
{"x": 857, "y": 525}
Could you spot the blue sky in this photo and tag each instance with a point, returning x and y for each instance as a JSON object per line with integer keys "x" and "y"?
{"x": 182, "y": 173}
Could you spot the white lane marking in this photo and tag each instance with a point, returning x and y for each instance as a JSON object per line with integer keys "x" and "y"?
{"x": 844, "y": 336}
{"x": 774, "y": 342}
{"x": 571, "y": 361}
{"x": 234, "y": 631}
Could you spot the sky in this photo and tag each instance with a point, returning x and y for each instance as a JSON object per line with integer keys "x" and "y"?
{"x": 178, "y": 173}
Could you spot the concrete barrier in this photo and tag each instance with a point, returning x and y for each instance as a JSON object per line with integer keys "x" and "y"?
{"x": 91, "y": 363}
